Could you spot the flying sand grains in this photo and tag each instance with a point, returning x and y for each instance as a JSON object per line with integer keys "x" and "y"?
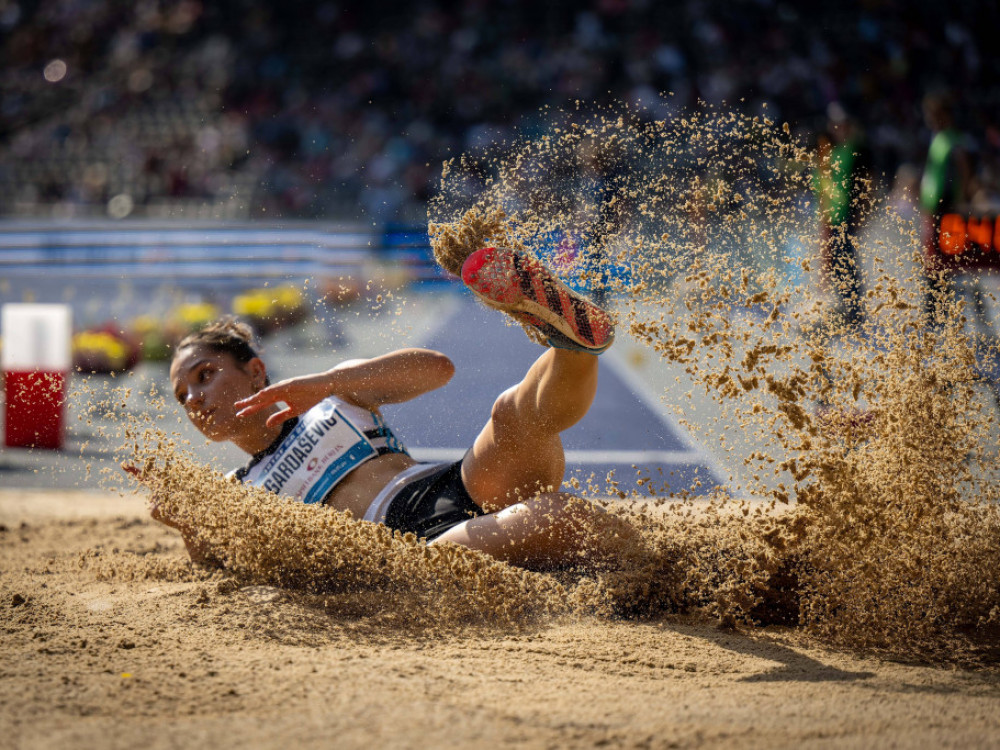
{"x": 699, "y": 227}
{"x": 879, "y": 529}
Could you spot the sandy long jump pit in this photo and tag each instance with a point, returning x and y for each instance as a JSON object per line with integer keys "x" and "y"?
{"x": 112, "y": 639}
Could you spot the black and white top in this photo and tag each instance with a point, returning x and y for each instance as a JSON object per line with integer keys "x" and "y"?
{"x": 317, "y": 450}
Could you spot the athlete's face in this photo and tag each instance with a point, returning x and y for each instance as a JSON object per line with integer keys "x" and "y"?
{"x": 207, "y": 383}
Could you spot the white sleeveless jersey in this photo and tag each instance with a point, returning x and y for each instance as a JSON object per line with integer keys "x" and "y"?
{"x": 320, "y": 448}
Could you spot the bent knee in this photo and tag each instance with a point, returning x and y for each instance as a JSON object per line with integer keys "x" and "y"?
{"x": 514, "y": 413}
{"x": 504, "y": 414}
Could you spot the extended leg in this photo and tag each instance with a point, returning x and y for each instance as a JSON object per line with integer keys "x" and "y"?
{"x": 519, "y": 452}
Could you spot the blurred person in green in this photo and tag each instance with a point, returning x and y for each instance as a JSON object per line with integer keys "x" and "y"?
{"x": 842, "y": 183}
{"x": 945, "y": 188}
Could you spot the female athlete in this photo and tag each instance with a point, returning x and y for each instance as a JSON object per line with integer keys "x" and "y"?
{"x": 328, "y": 443}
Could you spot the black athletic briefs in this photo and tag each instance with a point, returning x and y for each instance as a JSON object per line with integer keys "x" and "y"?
{"x": 433, "y": 504}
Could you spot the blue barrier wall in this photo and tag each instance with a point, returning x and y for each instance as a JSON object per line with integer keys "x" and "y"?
{"x": 223, "y": 251}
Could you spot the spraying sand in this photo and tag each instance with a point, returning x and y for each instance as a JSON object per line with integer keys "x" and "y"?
{"x": 878, "y": 433}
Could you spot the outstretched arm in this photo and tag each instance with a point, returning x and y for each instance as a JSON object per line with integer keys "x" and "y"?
{"x": 388, "y": 379}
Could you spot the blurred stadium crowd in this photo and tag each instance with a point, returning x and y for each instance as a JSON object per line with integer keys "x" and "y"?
{"x": 345, "y": 110}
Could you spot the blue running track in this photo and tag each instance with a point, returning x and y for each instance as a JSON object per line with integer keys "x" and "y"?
{"x": 625, "y": 427}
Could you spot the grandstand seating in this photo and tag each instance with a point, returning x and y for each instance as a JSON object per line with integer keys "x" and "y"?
{"x": 245, "y": 109}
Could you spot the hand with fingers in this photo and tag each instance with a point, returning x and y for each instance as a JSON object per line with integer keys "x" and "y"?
{"x": 298, "y": 394}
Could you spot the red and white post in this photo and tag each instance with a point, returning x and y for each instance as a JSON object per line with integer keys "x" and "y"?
{"x": 36, "y": 361}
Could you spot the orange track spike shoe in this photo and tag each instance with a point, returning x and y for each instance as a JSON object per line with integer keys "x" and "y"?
{"x": 519, "y": 285}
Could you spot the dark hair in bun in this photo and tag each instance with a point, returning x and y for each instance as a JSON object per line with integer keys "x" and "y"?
{"x": 226, "y": 335}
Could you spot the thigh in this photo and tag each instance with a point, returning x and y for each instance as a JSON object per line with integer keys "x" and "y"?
{"x": 552, "y": 531}
{"x": 537, "y": 533}
{"x": 509, "y": 462}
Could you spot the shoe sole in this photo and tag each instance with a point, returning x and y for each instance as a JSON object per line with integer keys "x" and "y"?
{"x": 520, "y": 286}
